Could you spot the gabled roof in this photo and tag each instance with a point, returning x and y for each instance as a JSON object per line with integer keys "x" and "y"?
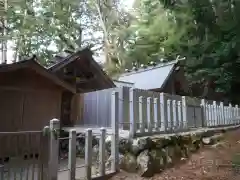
{"x": 154, "y": 77}
{"x": 32, "y": 64}
{"x": 85, "y": 65}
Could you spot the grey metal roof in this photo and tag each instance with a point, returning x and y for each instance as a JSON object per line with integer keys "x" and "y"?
{"x": 149, "y": 78}
{"x": 123, "y": 83}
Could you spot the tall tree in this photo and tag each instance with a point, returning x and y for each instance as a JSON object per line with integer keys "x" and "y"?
{"x": 45, "y": 27}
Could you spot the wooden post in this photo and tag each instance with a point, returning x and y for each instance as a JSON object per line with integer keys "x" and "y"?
{"x": 115, "y": 136}
{"x": 235, "y": 114}
{"x": 54, "y": 148}
{"x": 72, "y": 154}
{"x": 215, "y": 113}
{"x": 163, "y": 107}
{"x": 132, "y": 101}
{"x": 141, "y": 120}
{"x": 225, "y": 115}
{"x": 175, "y": 115}
{"x": 169, "y": 115}
{"x": 221, "y": 113}
{"x": 102, "y": 147}
{"x": 149, "y": 117}
{"x": 210, "y": 114}
{"x": 157, "y": 122}
{"x": 184, "y": 112}
{"x": 180, "y": 115}
{"x": 218, "y": 115}
{"x": 88, "y": 154}
{"x": 207, "y": 115}
{"x": 204, "y": 113}
{"x": 230, "y": 114}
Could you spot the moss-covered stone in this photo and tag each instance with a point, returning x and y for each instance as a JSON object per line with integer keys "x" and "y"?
{"x": 145, "y": 164}
{"x": 161, "y": 142}
{"x": 129, "y": 163}
{"x": 159, "y": 159}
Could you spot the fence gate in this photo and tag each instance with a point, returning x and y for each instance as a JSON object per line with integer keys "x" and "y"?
{"x": 194, "y": 113}
{"x": 23, "y": 155}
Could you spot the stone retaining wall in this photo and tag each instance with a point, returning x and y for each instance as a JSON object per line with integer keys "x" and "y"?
{"x": 149, "y": 155}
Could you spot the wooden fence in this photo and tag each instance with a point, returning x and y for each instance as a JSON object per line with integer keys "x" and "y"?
{"x": 163, "y": 113}
{"x": 84, "y": 169}
{"x": 145, "y": 112}
{"x": 23, "y": 155}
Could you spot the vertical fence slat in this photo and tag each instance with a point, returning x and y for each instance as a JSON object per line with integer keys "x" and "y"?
{"x": 180, "y": 114}
{"x": 214, "y": 113}
{"x": 169, "y": 115}
{"x": 54, "y": 148}
{"x": 175, "y": 115}
{"x": 184, "y": 111}
{"x": 204, "y": 113}
{"x": 230, "y": 113}
{"x": 141, "y": 120}
{"x": 149, "y": 117}
{"x": 132, "y": 118}
{"x": 88, "y": 154}
{"x": 163, "y": 110}
{"x": 115, "y": 130}
{"x": 209, "y": 115}
{"x": 72, "y": 154}
{"x": 157, "y": 123}
{"x": 234, "y": 115}
{"x": 221, "y": 113}
{"x": 102, "y": 147}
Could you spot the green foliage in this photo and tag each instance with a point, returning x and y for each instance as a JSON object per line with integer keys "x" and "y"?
{"x": 45, "y": 27}
{"x": 206, "y": 32}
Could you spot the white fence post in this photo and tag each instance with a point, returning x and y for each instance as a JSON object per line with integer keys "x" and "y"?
{"x": 54, "y": 148}
{"x": 169, "y": 115}
{"x": 88, "y": 154}
{"x": 132, "y": 113}
{"x": 141, "y": 120}
{"x": 163, "y": 107}
{"x": 157, "y": 123}
{"x": 175, "y": 115}
{"x": 230, "y": 114}
{"x": 225, "y": 115}
{"x": 72, "y": 154}
{"x": 115, "y": 136}
{"x": 218, "y": 115}
{"x": 102, "y": 147}
{"x": 215, "y": 113}
{"x": 184, "y": 112}
{"x": 235, "y": 114}
{"x": 180, "y": 117}
{"x": 149, "y": 117}
{"x": 204, "y": 113}
{"x": 208, "y": 115}
{"x": 221, "y": 113}
{"x": 212, "y": 115}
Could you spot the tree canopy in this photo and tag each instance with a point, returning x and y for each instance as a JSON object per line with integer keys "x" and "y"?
{"x": 206, "y": 32}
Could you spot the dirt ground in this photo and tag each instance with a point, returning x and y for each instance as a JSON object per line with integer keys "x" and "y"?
{"x": 210, "y": 163}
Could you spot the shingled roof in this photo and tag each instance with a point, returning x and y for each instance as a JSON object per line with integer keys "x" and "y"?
{"x": 82, "y": 70}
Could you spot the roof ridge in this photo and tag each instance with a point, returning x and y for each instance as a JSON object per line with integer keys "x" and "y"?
{"x": 140, "y": 70}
